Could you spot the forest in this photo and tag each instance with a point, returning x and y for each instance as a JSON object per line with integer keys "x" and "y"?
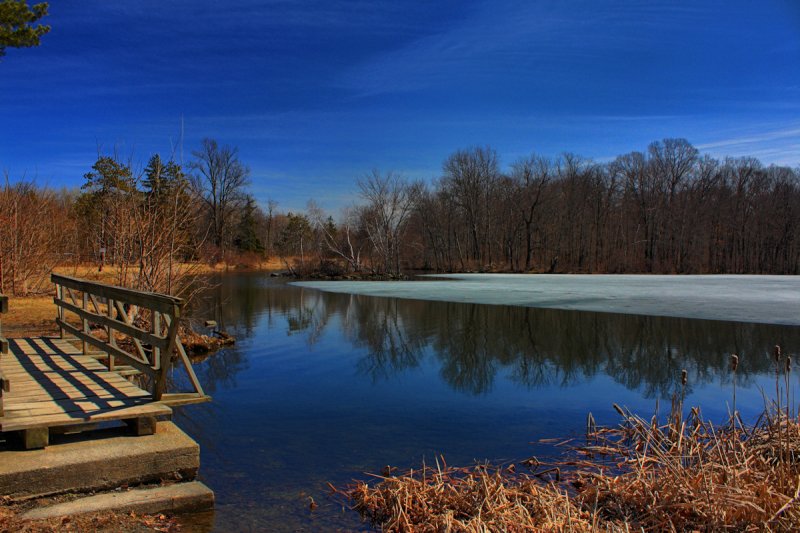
{"x": 667, "y": 209}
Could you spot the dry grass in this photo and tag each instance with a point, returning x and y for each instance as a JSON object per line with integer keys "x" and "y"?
{"x": 30, "y": 316}
{"x": 480, "y": 498}
{"x": 110, "y": 273}
{"x": 689, "y": 475}
{"x": 677, "y": 475}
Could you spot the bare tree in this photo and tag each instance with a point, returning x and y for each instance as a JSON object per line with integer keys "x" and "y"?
{"x": 219, "y": 179}
{"x": 339, "y": 239}
{"x": 390, "y": 201}
{"x": 471, "y": 177}
{"x": 34, "y": 226}
{"x": 530, "y": 176}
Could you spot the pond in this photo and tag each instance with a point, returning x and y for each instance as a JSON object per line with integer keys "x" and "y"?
{"x": 322, "y": 387}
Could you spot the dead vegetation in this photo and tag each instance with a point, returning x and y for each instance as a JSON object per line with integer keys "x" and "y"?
{"x": 678, "y": 474}
{"x": 479, "y": 498}
{"x": 199, "y": 346}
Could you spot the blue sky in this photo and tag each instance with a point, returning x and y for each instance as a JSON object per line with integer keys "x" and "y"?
{"x": 316, "y": 94}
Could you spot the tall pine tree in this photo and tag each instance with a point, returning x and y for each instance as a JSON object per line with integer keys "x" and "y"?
{"x": 247, "y": 233}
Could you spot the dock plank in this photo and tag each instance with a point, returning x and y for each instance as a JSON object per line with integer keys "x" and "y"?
{"x": 54, "y": 384}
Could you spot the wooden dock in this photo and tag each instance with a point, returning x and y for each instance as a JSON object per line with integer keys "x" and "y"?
{"x": 114, "y": 361}
{"x": 118, "y": 335}
{"x": 55, "y": 385}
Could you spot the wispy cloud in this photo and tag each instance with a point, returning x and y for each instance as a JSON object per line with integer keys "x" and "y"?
{"x": 754, "y": 138}
{"x": 495, "y": 37}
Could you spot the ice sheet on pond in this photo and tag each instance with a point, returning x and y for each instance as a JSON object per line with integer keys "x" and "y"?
{"x": 765, "y": 299}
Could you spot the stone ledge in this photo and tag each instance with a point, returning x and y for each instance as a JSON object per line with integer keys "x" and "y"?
{"x": 99, "y": 462}
{"x": 175, "y": 498}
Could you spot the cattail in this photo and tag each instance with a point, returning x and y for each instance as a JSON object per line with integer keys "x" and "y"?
{"x": 734, "y": 362}
{"x": 777, "y": 353}
{"x": 788, "y": 363}
{"x": 684, "y": 377}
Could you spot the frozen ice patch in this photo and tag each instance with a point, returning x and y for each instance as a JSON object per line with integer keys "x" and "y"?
{"x": 765, "y": 299}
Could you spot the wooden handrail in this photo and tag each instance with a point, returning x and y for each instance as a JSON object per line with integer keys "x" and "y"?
{"x": 148, "y": 344}
{"x": 150, "y": 300}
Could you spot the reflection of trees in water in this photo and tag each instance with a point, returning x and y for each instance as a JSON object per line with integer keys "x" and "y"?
{"x": 221, "y": 368}
{"x": 473, "y": 343}
{"x": 546, "y": 346}
{"x": 462, "y": 345}
{"x": 309, "y": 317}
{"x": 381, "y": 329}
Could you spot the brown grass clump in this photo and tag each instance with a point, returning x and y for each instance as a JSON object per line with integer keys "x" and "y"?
{"x": 681, "y": 476}
{"x": 689, "y": 475}
{"x": 480, "y": 498}
{"x": 678, "y": 475}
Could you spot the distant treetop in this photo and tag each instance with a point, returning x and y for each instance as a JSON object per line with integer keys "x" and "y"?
{"x": 17, "y": 20}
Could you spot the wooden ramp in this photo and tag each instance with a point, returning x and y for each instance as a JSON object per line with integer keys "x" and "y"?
{"x": 53, "y": 384}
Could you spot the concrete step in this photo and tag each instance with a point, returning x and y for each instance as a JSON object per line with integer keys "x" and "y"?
{"x": 98, "y": 461}
{"x": 176, "y": 498}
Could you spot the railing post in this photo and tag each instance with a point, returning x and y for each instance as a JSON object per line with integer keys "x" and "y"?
{"x": 59, "y": 309}
{"x": 156, "y": 331}
{"x": 111, "y": 340}
{"x": 3, "y": 309}
{"x": 172, "y": 335}
{"x": 85, "y": 320}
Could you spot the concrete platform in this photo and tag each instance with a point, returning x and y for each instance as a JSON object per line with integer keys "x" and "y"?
{"x": 99, "y": 462}
{"x": 176, "y": 498}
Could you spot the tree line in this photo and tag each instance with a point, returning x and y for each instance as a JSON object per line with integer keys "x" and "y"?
{"x": 667, "y": 209}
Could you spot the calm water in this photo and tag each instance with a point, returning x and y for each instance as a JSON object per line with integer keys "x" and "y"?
{"x": 324, "y": 387}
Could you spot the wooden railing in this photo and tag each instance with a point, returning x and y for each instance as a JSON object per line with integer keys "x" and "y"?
{"x": 133, "y": 328}
{"x": 4, "y": 384}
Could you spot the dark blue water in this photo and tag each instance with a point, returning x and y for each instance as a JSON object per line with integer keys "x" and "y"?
{"x": 324, "y": 387}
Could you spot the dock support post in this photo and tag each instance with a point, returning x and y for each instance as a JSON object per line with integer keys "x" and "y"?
{"x": 35, "y": 438}
{"x": 144, "y": 425}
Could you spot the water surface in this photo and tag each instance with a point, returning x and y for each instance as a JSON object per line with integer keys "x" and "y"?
{"x": 323, "y": 387}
